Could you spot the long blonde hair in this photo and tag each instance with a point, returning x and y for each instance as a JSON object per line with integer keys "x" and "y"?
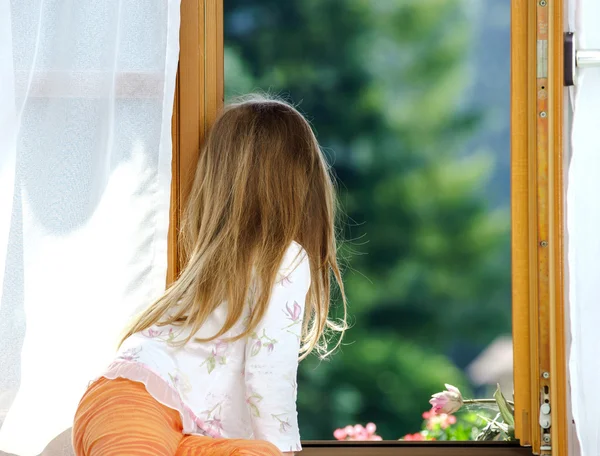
{"x": 261, "y": 183}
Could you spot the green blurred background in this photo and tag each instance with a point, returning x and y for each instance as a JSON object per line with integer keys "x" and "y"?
{"x": 410, "y": 102}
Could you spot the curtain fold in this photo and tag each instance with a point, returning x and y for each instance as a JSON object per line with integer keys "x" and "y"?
{"x": 86, "y": 99}
{"x": 8, "y": 125}
{"x": 583, "y": 227}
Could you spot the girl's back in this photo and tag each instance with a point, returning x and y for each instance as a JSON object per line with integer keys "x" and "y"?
{"x": 221, "y": 346}
{"x": 235, "y": 389}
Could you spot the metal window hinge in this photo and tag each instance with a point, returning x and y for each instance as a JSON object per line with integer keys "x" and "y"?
{"x": 545, "y": 417}
{"x": 573, "y": 59}
{"x": 546, "y": 424}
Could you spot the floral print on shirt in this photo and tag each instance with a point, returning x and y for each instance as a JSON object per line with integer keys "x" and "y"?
{"x": 213, "y": 424}
{"x": 285, "y": 281}
{"x": 253, "y": 401}
{"x": 284, "y": 424}
{"x": 131, "y": 354}
{"x": 160, "y": 334}
{"x": 181, "y": 383}
{"x": 260, "y": 342}
{"x": 261, "y": 401}
{"x": 217, "y": 355}
{"x": 294, "y": 315}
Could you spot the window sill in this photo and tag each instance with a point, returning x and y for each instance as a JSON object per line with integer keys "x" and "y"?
{"x": 395, "y": 448}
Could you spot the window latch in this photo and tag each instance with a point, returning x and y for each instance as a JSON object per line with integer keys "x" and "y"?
{"x": 580, "y": 58}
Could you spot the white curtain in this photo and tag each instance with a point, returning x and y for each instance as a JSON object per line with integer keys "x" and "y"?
{"x": 86, "y": 99}
{"x": 583, "y": 226}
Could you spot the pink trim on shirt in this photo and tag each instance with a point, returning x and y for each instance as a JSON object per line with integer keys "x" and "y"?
{"x": 162, "y": 391}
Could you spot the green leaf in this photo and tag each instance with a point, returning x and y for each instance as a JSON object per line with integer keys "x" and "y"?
{"x": 505, "y": 409}
{"x": 256, "y": 346}
{"x": 511, "y": 433}
{"x": 255, "y": 411}
{"x": 211, "y": 364}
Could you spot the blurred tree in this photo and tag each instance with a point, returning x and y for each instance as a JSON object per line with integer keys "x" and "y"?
{"x": 427, "y": 263}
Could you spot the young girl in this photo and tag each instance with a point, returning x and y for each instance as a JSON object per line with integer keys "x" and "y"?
{"x": 210, "y": 368}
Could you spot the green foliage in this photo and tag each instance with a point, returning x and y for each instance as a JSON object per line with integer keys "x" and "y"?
{"x": 426, "y": 261}
{"x": 467, "y": 427}
{"x": 506, "y": 410}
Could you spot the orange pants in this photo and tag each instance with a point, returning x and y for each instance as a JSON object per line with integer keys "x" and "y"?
{"x": 120, "y": 418}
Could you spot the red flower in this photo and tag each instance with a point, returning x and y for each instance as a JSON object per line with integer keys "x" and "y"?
{"x": 417, "y": 436}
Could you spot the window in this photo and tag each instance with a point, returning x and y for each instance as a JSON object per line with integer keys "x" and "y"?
{"x": 536, "y": 202}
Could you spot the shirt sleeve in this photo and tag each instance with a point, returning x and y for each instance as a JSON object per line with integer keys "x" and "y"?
{"x": 272, "y": 356}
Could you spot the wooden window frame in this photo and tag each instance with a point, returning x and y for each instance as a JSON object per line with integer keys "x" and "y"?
{"x": 199, "y": 93}
{"x": 536, "y": 203}
{"x": 537, "y": 92}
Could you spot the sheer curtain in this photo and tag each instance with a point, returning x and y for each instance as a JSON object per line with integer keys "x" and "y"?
{"x": 583, "y": 225}
{"x": 86, "y": 99}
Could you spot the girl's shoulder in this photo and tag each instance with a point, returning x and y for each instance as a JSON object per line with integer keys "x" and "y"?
{"x": 295, "y": 261}
{"x": 296, "y": 249}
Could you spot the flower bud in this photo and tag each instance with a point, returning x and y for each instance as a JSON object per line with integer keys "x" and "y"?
{"x": 449, "y": 401}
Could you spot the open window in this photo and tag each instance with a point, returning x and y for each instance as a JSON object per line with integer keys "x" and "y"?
{"x": 536, "y": 176}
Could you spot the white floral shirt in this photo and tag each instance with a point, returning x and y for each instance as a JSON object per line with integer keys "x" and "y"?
{"x": 242, "y": 389}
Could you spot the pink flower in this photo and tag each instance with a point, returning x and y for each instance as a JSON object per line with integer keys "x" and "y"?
{"x": 131, "y": 354}
{"x": 340, "y": 434}
{"x": 360, "y": 432}
{"x": 449, "y": 401}
{"x": 153, "y": 333}
{"x": 442, "y": 420}
{"x": 220, "y": 348}
{"x": 270, "y": 347}
{"x": 357, "y": 432}
{"x": 293, "y": 314}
